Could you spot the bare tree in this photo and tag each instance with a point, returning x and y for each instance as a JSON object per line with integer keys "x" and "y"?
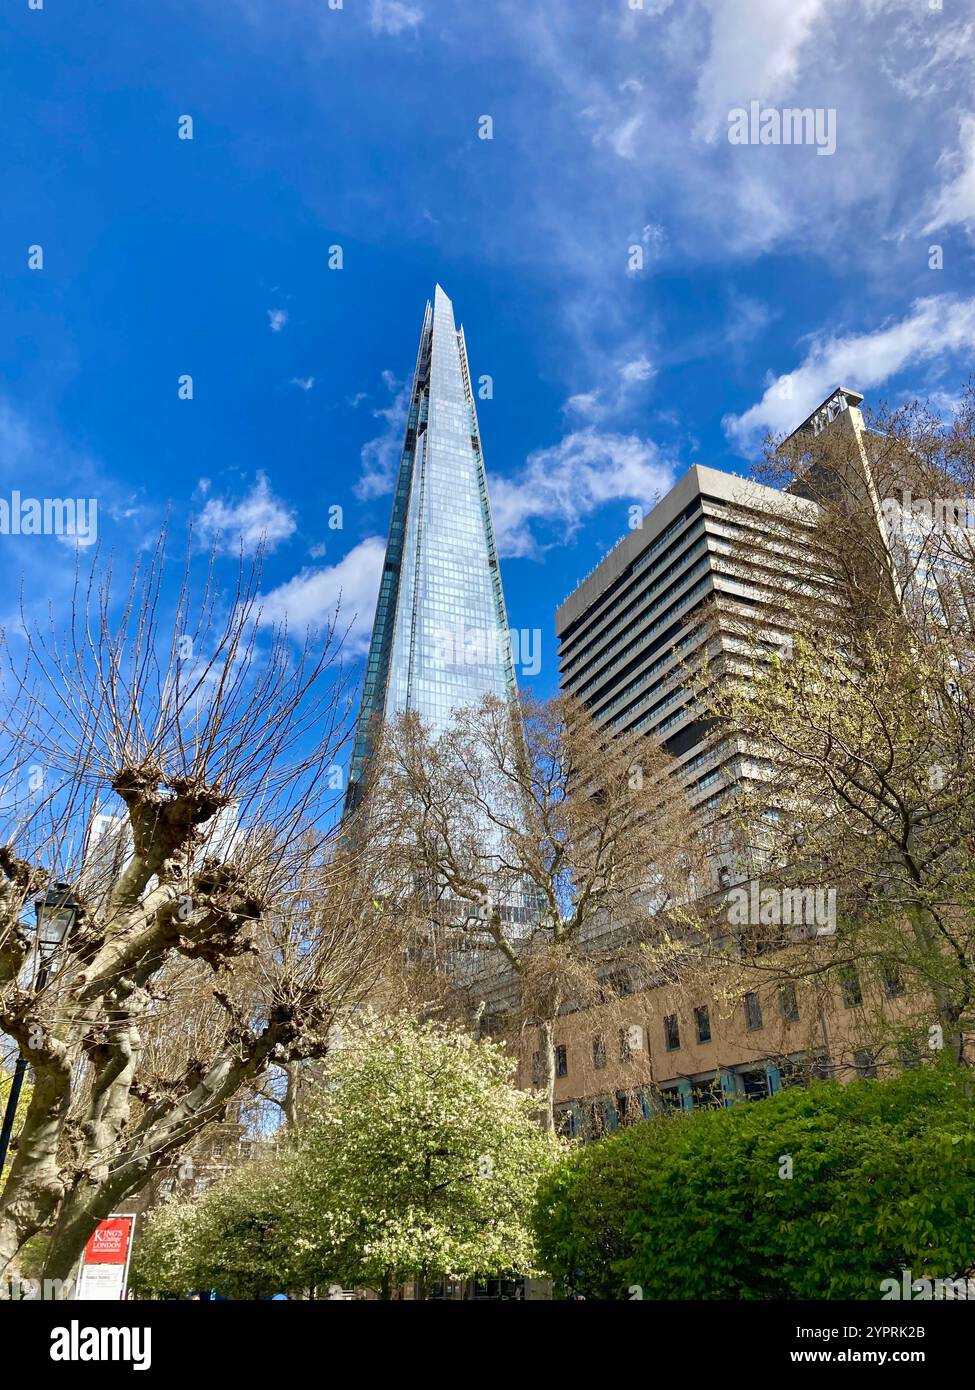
{"x": 176, "y": 768}
{"x": 531, "y": 839}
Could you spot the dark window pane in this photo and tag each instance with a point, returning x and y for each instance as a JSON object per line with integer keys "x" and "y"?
{"x": 866, "y": 1064}
{"x": 753, "y": 1012}
{"x": 850, "y": 987}
{"x": 789, "y": 1004}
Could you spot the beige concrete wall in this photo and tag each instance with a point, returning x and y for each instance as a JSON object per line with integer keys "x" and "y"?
{"x": 825, "y": 1026}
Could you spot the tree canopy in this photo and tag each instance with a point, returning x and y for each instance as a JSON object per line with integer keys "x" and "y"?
{"x": 417, "y": 1160}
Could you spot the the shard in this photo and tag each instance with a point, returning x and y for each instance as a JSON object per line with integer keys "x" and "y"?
{"x": 440, "y": 635}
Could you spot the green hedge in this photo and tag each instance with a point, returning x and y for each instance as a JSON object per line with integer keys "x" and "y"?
{"x": 694, "y": 1207}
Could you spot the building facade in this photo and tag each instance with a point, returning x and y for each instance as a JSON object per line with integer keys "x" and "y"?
{"x": 702, "y": 578}
{"x": 635, "y": 627}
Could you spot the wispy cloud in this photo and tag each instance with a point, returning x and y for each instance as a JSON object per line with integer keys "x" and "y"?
{"x": 277, "y": 318}
{"x": 622, "y": 382}
{"x": 259, "y": 518}
{"x": 313, "y": 598}
{"x": 936, "y": 327}
{"x": 954, "y": 203}
{"x": 304, "y": 382}
{"x": 754, "y": 51}
{"x": 380, "y": 455}
{"x": 561, "y": 486}
{"x": 393, "y": 16}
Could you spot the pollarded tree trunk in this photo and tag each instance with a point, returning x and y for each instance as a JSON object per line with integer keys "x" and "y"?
{"x": 93, "y": 1198}
{"x": 34, "y": 1188}
{"x": 209, "y": 923}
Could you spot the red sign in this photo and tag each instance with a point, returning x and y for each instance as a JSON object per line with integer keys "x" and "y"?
{"x": 109, "y": 1245}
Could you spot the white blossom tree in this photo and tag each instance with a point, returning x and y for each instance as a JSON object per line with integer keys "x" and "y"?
{"x": 419, "y": 1161}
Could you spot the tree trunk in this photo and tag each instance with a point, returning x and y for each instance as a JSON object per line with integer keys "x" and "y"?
{"x": 546, "y": 1057}
{"x": 949, "y": 1010}
{"x": 34, "y": 1189}
{"x": 92, "y": 1200}
{"x": 290, "y": 1105}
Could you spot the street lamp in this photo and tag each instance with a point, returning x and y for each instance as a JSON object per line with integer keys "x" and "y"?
{"x": 55, "y": 914}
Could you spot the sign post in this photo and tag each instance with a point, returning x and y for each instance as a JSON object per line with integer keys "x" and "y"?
{"x": 105, "y": 1266}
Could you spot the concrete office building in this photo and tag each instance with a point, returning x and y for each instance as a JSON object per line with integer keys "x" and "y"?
{"x": 705, "y": 572}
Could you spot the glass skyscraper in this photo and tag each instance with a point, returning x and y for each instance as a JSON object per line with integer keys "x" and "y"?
{"x": 440, "y": 635}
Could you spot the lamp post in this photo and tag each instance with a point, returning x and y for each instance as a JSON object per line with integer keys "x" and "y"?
{"x": 55, "y": 914}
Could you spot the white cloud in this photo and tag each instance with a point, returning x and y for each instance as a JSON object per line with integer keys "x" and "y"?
{"x": 380, "y": 456}
{"x": 393, "y": 16}
{"x": 755, "y": 48}
{"x": 613, "y": 396}
{"x": 305, "y": 382}
{"x": 936, "y": 326}
{"x": 312, "y": 598}
{"x": 561, "y": 485}
{"x": 954, "y": 204}
{"x": 258, "y": 518}
{"x": 583, "y": 403}
{"x": 640, "y": 369}
{"x": 277, "y": 319}
{"x": 660, "y": 149}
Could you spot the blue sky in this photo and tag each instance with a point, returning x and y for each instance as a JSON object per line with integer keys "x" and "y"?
{"x": 771, "y": 273}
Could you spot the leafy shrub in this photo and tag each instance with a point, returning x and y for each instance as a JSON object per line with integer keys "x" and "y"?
{"x": 696, "y": 1207}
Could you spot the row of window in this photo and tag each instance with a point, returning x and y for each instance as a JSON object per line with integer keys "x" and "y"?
{"x": 590, "y": 1119}
{"x": 850, "y": 988}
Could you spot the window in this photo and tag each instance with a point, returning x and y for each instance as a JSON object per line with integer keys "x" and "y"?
{"x": 908, "y": 1056}
{"x": 702, "y": 1024}
{"x": 850, "y": 988}
{"x": 599, "y": 1052}
{"x": 595, "y": 1120}
{"x": 893, "y": 983}
{"x": 753, "y": 1012}
{"x": 561, "y": 1062}
{"x": 626, "y": 1052}
{"x": 865, "y": 1063}
{"x": 706, "y": 1095}
{"x": 568, "y": 1123}
{"x": 789, "y": 1004}
{"x": 754, "y": 1084}
{"x": 617, "y": 985}
{"x": 790, "y": 1073}
{"x": 671, "y": 1033}
{"x": 820, "y": 1066}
